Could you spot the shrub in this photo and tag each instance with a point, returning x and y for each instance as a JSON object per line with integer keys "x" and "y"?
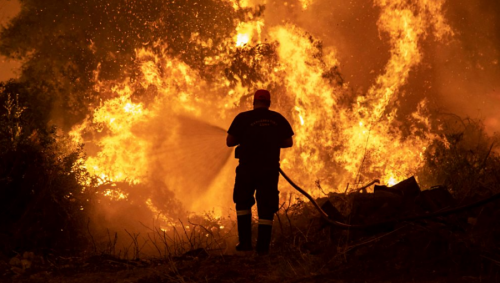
{"x": 42, "y": 204}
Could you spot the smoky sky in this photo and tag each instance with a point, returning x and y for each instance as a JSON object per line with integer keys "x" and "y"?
{"x": 8, "y": 9}
{"x": 460, "y": 74}
{"x": 468, "y": 69}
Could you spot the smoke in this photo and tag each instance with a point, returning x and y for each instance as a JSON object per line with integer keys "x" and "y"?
{"x": 350, "y": 28}
{"x": 468, "y": 68}
{"x": 189, "y": 160}
{"x": 8, "y": 10}
{"x": 457, "y": 76}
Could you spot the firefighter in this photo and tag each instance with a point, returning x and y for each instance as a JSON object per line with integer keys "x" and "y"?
{"x": 259, "y": 134}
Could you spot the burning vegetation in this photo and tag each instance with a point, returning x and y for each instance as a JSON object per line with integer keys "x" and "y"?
{"x": 113, "y": 136}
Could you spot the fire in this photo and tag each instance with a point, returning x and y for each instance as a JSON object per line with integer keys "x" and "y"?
{"x": 115, "y": 162}
{"x": 115, "y": 194}
{"x": 238, "y": 4}
{"x": 242, "y": 39}
{"x": 391, "y": 181}
{"x": 305, "y": 3}
{"x": 248, "y": 32}
{"x": 138, "y": 133}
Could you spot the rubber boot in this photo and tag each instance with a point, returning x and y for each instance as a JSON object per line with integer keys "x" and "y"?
{"x": 264, "y": 239}
{"x": 244, "y": 232}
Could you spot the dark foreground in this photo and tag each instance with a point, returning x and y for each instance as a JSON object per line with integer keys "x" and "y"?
{"x": 458, "y": 247}
{"x": 273, "y": 268}
{"x": 423, "y": 252}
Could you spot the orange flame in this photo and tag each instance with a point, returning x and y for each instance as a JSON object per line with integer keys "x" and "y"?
{"x": 335, "y": 142}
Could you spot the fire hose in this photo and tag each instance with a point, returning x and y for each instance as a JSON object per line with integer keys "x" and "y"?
{"x": 341, "y": 225}
{"x": 346, "y": 226}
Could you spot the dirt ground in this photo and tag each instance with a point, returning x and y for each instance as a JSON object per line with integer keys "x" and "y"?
{"x": 366, "y": 263}
{"x": 251, "y": 268}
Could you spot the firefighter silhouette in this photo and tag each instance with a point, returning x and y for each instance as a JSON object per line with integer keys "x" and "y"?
{"x": 259, "y": 135}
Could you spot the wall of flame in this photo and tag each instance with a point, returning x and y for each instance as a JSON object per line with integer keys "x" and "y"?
{"x": 174, "y": 133}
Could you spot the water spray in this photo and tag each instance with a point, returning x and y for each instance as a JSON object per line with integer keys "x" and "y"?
{"x": 388, "y": 223}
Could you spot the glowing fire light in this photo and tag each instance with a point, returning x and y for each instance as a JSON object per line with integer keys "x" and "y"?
{"x": 305, "y": 3}
{"x": 248, "y": 31}
{"x": 115, "y": 194}
{"x": 336, "y": 142}
{"x": 391, "y": 181}
{"x": 242, "y": 39}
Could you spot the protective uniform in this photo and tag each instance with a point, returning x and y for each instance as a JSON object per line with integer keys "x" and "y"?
{"x": 260, "y": 133}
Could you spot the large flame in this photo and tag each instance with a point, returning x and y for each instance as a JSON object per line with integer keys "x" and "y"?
{"x": 152, "y": 126}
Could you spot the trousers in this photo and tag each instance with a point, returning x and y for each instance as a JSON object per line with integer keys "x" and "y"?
{"x": 263, "y": 183}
